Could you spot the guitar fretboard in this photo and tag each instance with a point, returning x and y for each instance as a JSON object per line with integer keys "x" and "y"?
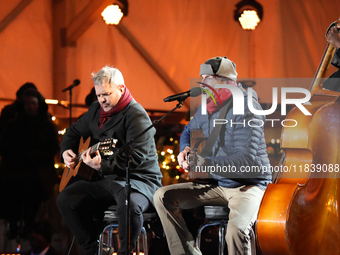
{"x": 93, "y": 149}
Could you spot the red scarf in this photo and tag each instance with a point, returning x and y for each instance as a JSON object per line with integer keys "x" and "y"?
{"x": 124, "y": 100}
{"x": 224, "y": 94}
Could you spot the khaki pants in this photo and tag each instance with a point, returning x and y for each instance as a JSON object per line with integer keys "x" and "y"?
{"x": 243, "y": 202}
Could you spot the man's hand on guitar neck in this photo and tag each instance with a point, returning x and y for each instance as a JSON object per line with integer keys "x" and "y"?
{"x": 92, "y": 160}
{"x": 70, "y": 159}
{"x": 184, "y": 161}
{"x": 333, "y": 36}
{"x": 182, "y": 158}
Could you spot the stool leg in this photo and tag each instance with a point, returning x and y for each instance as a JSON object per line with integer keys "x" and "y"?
{"x": 199, "y": 232}
{"x": 145, "y": 241}
{"x": 252, "y": 241}
{"x": 100, "y": 243}
{"x": 109, "y": 228}
{"x": 138, "y": 245}
{"x": 101, "y": 238}
{"x": 221, "y": 237}
{"x": 110, "y": 235}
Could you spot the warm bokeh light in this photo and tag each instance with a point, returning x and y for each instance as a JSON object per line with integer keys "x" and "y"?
{"x": 249, "y": 19}
{"x": 51, "y": 101}
{"x": 62, "y": 132}
{"x": 55, "y": 102}
{"x": 112, "y": 15}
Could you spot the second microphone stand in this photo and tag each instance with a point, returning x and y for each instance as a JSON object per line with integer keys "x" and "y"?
{"x": 127, "y": 149}
{"x": 70, "y": 106}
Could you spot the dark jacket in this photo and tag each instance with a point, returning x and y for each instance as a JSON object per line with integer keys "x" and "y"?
{"x": 124, "y": 126}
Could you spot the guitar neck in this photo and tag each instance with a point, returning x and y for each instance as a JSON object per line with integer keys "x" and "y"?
{"x": 94, "y": 148}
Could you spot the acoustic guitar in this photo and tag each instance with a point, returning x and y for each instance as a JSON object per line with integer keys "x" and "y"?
{"x": 82, "y": 171}
{"x": 204, "y": 144}
{"x": 197, "y": 141}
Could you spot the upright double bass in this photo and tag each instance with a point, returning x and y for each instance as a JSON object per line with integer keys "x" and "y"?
{"x": 299, "y": 213}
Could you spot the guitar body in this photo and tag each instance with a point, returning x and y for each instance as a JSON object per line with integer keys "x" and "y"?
{"x": 82, "y": 171}
{"x": 79, "y": 170}
{"x": 197, "y": 142}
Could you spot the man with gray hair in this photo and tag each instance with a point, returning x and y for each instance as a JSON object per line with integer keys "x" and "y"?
{"x": 115, "y": 115}
{"x": 235, "y": 147}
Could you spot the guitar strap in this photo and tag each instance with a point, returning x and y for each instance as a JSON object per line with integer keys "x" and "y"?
{"x": 207, "y": 150}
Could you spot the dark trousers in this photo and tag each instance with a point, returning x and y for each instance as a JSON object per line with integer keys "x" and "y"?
{"x": 82, "y": 205}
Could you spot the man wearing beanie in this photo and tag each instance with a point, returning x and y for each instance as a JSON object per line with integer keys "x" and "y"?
{"x": 234, "y": 147}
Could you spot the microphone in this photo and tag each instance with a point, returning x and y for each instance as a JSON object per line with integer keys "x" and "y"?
{"x": 75, "y": 83}
{"x": 193, "y": 92}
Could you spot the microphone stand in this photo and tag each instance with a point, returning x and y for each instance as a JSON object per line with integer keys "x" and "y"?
{"x": 70, "y": 106}
{"x": 70, "y": 93}
{"x": 127, "y": 149}
{"x": 69, "y": 88}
